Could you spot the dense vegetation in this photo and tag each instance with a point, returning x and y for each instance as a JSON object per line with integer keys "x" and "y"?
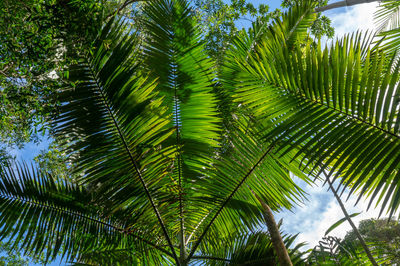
{"x": 174, "y": 143}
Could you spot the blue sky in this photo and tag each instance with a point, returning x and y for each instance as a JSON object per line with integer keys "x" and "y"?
{"x": 313, "y": 218}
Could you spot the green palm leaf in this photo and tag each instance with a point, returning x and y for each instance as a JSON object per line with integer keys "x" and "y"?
{"x": 387, "y": 22}
{"x": 338, "y": 105}
{"x": 248, "y": 248}
{"x": 387, "y": 16}
{"x": 175, "y": 56}
{"x": 46, "y": 216}
{"x": 143, "y": 118}
{"x": 116, "y": 126}
{"x": 331, "y": 250}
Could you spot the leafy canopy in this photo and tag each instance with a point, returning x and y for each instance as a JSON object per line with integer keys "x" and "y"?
{"x": 171, "y": 155}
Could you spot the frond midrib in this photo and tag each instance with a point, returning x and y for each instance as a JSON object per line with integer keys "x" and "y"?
{"x": 361, "y": 121}
{"x": 134, "y": 164}
{"x": 46, "y": 205}
{"x": 239, "y": 185}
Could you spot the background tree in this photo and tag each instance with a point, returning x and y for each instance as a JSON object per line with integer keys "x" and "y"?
{"x": 222, "y": 21}
{"x": 11, "y": 257}
{"x": 39, "y": 37}
{"x": 383, "y": 233}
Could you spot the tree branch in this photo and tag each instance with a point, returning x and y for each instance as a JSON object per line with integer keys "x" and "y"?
{"x": 348, "y": 218}
{"x": 343, "y": 4}
{"x": 124, "y": 5}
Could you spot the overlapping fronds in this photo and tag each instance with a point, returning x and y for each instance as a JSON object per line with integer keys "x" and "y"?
{"x": 145, "y": 126}
{"x": 332, "y": 250}
{"x": 246, "y": 168}
{"x": 387, "y": 17}
{"x": 175, "y": 56}
{"x": 338, "y": 105}
{"x": 387, "y": 25}
{"x": 123, "y": 255}
{"x": 292, "y": 27}
{"x": 46, "y": 216}
{"x": 214, "y": 180}
{"x": 248, "y": 248}
{"x": 117, "y": 126}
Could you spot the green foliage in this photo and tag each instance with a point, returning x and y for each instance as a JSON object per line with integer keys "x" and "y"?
{"x": 38, "y": 38}
{"x": 321, "y": 26}
{"x": 332, "y": 103}
{"x": 384, "y": 234}
{"x": 387, "y": 20}
{"x": 142, "y": 125}
{"x": 387, "y": 16}
{"x": 221, "y": 21}
{"x": 339, "y": 222}
{"x": 254, "y": 249}
{"x": 165, "y": 153}
{"x": 55, "y": 160}
{"x": 333, "y": 251}
{"x": 9, "y": 257}
{"x": 25, "y": 46}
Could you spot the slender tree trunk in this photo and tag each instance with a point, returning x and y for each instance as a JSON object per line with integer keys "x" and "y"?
{"x": 344, "y": 3}
{"x": 363, "y": 244}
{"x": 182, "y": 247}
{"x": 276, "y": 239}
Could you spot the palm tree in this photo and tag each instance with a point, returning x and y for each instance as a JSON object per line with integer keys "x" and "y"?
{"x": 164, "y": 180}
{"x": 178, "y": 158}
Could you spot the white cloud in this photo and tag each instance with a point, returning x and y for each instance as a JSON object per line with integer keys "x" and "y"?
{"x": 351, "y": 19}
{"x": 321, "y": 211}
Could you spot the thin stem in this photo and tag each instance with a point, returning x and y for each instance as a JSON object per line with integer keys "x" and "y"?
{"x": 195, "y": 246}
{"x": 362, "y": 242}
{"x": 197, "y": 227}
{"x": 135, "y": 166}
{"x": 182, "y": 241}
{"x": 124, "y": 5}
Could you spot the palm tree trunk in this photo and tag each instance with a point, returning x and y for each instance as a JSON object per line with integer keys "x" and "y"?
{"x": 362, "y": 242}
{"x": 276, "y": 239}
{"x": 343, "y": 3}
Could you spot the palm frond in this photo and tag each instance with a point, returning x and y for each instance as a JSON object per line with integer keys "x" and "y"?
{"x": 175, "y": 56}
{"x": 333, "y": 250}
{"x": 47, "y": 216}
{"x": 387, "y": 17}
{"x": 246, "y": 166}
{"x": 117, "y": 125}
{"x": 119, "y": 256}
{"x": 332, "y": 104}
{"x": 248, "y": 248}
